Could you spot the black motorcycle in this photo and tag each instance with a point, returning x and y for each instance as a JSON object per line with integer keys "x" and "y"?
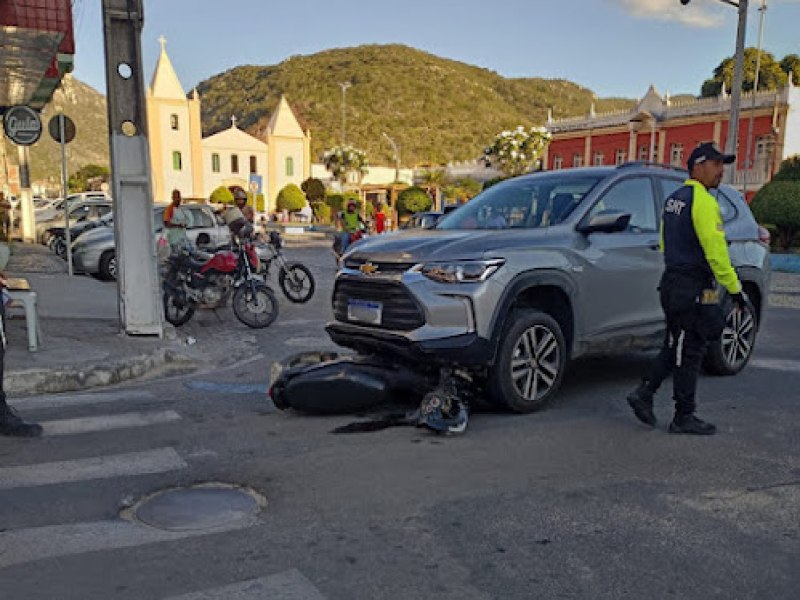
{"x": 295, "y": 279}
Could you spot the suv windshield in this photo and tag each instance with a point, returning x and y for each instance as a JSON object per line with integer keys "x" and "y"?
{"x": 523, "y": 203}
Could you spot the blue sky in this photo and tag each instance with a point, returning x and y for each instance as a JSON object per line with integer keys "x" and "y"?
{"x": 614, "y": 47}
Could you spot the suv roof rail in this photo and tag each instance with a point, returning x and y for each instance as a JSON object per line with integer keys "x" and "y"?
{"x": 647, "y": 163}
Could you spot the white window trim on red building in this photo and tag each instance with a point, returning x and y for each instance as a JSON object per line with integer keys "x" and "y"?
{"x": 656, "y": 125}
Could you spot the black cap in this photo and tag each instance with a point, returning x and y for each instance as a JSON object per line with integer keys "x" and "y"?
{"x": 706, "y": 152}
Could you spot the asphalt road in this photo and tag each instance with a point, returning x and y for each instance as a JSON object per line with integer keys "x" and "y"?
{"x": 577, "y": 501}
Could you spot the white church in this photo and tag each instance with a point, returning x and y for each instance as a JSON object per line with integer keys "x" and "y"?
{"x": 181, "y": 158}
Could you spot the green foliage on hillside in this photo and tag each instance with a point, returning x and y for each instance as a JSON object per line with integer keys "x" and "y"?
{"x": 436, "y": 109}
{"x": 82, "y": 179}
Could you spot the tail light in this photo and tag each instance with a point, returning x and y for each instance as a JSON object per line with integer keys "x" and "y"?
{"x": 764, "y": 235}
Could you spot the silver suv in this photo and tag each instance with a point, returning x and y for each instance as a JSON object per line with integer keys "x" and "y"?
{"x": 533, "y": 272}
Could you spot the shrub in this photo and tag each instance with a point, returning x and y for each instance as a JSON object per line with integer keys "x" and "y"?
{"x": 260, "y": 206}
{"x": 314, "y": 190}
{"x": 221, "y": 195}
{"x": 337, "y": 201}
{"x": 490, "y": 182}
{"x": 790, "y": 169}
{"x": 291, "y": 198}
{"x": 778, "y": 203}
{"x": 412, "y": 200}
{"x": 322, "y": 212}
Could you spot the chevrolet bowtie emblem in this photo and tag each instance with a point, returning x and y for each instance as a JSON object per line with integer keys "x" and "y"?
{"x": 368, "y": 268}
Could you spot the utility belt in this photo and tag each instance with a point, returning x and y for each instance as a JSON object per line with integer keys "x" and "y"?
{"x": 690, "y": 295}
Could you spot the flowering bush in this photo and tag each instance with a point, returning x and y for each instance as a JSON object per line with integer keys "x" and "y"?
{"x": 515, "y": 152}
{"x": 342, "y": 160}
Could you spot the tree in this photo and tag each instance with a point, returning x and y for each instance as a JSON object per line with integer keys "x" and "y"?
{"x": 291, "y": 198}
{"x": 314, "y": 190}
{"x": 412, "y": 200}
{"x": 791, "y": 64}
{"x": 322, "y": 212}
{"x": 515, "y": 152}
{"x": 82, "y": 179}
{"x": 434, "y": 179}
{"x": 221, "y": 195}
{"x": 771, "y": 74}
{"x": 463, "y": 189}
{"x": 778, "y": 204}
{"x": 343, "y": 160}
{"x": 337, "y": 201}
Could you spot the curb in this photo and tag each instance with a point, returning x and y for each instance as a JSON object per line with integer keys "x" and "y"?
{"x": 31, "y": 382}
{"x": 785, "y": 263}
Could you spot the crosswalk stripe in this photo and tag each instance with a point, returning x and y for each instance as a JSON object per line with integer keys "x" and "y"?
{"x": 148, "y": 462}
{"x": 18, "y": 546}
{"x": 105, "y": 422}
{"x": 288, "y": 585}
{"x": 777, "y": 364}
{"x": 64, "y": 400}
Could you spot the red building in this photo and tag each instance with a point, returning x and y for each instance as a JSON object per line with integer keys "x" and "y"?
{"x": 661, "y": 130}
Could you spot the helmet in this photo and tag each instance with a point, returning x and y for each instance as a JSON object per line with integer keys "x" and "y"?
{"x": 238, "y": 192}
{"x": 443, "y": 412}
{"x": 352, "y": 202}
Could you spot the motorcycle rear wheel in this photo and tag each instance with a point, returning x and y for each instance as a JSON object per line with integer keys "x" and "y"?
{"x": 256, "y": 307}
{"x": 176, "y": 311}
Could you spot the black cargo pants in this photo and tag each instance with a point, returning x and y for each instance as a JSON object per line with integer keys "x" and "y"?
{"x": 690, "y": 326}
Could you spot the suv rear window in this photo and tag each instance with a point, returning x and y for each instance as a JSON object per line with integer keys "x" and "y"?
{"x": 522, "y": 203}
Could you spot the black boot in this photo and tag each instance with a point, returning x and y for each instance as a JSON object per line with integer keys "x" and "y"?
{"x": 12, "y": 425}
{"x": 688, "y": 423}
{"x": 641, "y": 401}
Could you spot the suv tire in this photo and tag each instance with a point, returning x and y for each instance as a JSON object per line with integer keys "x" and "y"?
{"x": 108, "y": 266}
{"x": 731, "y": 353}
{"x": 530, "y": 362}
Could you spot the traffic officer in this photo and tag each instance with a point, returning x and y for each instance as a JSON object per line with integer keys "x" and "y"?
{"x": 695, "y": 254}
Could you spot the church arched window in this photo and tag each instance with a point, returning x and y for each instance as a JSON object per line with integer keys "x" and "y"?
{"x": 173, "y": 121}
{"x": 177, "y": 162}
{"x": 289, "y": 166}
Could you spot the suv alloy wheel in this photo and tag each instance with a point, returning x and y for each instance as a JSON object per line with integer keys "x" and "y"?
{"x": 530, "y": 362}
{"x": 730, "y": 354}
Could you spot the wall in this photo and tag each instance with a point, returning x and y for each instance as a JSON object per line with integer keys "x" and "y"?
{"x": 226, "y": 177}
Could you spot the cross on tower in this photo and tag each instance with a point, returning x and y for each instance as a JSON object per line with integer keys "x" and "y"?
{"x": 163, "y": 41}
{"x": 233, "y": 120}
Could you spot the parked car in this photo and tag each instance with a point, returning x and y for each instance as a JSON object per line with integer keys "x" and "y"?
{"x": 83, "y": 210}
{"x": 95, "y": 252}
{"x": 533, "y": 272}
{"x": 422, "y": 220}
{"x": 58, "y": 243}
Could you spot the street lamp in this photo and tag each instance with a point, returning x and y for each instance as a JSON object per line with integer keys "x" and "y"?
{"x": 344, "y": 85}
{"x": 736, "y": 92}
{"x": 396, "y": 156}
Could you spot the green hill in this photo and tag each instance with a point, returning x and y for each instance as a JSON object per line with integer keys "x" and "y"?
{"x": 436, "y": 109}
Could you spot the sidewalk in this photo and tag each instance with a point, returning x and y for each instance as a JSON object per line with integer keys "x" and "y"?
{"x": 82, "y": 346}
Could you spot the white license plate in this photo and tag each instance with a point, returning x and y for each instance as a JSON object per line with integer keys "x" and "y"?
{"x": 365, "y": 311}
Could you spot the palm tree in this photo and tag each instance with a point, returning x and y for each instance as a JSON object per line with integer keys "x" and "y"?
{"x": 434, "y": 179}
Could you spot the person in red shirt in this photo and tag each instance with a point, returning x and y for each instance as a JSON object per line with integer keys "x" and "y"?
{"x": 380, "y": 219}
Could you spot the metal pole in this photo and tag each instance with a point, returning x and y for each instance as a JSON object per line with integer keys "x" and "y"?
{"x": 67, "y": 234}
{"x": 396, "y": 156}
{"x": 736, "y": 92}
{"x": 748, "y": 156}
{"x": 344, "y": 87}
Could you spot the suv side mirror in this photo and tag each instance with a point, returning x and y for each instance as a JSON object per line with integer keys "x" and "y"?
{"x": 607, "y": 221}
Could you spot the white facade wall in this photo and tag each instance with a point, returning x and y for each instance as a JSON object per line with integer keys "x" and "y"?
{"x": 175, "y": 141}
{"x": 376, "y": 175}
{"x": 226, "y": 176}
{"x": 791, "y": 144}
{"x": 285, "y": 148}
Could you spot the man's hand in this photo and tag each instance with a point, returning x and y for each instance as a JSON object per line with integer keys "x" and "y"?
{"x": 740, "y": 300}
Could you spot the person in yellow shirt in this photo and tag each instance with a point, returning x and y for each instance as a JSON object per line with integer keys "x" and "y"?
{"x": 695, "y": 255}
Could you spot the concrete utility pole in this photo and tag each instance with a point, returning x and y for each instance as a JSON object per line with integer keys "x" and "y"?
{"x": 748, "y": 165}
{"x": 396, "y": 156}
{"x": 140, "y": 307}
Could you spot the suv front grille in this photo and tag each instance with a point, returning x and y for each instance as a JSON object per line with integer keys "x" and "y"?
{"x": 383, "y": 268}
{"x": 400, "y": 310}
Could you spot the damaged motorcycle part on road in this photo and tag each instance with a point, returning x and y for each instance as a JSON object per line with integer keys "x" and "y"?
{"x": 445, "y": 409}
{"x": 326, "y": 383}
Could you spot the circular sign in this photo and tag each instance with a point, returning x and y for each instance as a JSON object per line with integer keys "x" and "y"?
{"x": 54, "y": 129}
{"x": 23, "y": 125}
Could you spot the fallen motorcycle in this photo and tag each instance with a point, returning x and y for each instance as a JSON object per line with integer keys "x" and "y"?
{"x": 193, "y": 279}
{"x": 295, "y": 279}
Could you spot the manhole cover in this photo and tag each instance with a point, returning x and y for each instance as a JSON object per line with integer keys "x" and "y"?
{"x": 200, "y": 507}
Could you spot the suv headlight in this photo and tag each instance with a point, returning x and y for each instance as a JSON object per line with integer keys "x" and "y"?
{"x": 465, "y": 271}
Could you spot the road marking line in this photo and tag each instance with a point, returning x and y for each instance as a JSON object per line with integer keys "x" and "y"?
{"x": 776, "y": 364}
{"x": 288, "y": 585}
{"x": 18, "y": 546}
{"x": 63, "y": 400}
{"x": 105, "y": 422}
{"x": 228, "y": 388}
{"x": 161, "y": 460}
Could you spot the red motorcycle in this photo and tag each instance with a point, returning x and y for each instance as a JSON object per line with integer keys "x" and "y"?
{"x": 195, "y": 279}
